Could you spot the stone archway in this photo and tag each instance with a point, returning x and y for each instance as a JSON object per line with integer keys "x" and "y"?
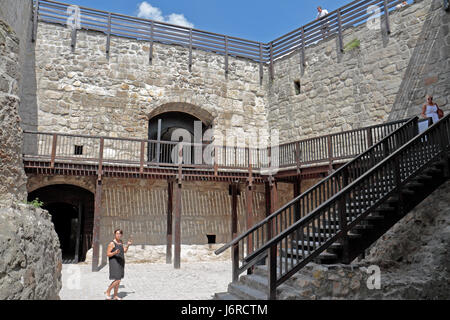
{"x": 72, "y": 211}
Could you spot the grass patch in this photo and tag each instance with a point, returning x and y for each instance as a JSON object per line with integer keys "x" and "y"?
{"x": 35, "y": 203}
{"x": 355, "y": 43}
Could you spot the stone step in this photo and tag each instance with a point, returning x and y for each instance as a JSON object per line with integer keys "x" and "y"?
{"x": 225, "y": 296}
{"x": 246, "y": 293}
{"x": 256, "y": 281}
{"x": 307, "y": 243}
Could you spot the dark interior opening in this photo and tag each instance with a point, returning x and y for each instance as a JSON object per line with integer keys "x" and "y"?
{"x": 78, "y": 150}
{"x": 211, "y": 238}
{"x": 297, "y": 86}
{"x": 65, "y": 219}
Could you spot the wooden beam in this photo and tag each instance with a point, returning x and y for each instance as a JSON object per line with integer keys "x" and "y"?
{"x": 249, "y": 215}
{"x": 297, "y": 192}
{"x": 177, "y": 253}
{"x": 234, "y": 231}
{"x": 96, "y": 233}
{"x": 169, "y": 221}
{"x": 158, "y": 145}
{"x": 77, "y": 239}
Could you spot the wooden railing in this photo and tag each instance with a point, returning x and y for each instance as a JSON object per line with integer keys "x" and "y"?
{"x": 248, "y": 245}
{"x": 112, "y": 24}
{"x": 364, "y": 194}
{"x": 144, "y": 153}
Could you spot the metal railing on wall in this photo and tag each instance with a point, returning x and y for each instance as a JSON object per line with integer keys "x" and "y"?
{"x": 113, "y": 24}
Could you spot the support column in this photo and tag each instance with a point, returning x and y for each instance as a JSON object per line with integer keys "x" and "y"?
{"x": 77, "y": 240}
{"x": 169, "y": 221}
{"x": 297, "y": 192}
{"x": 96, "y": 233}
{"x": 234, "y": 231}
{"x": 177, "y": 259}
{"x": 249, "y": 215}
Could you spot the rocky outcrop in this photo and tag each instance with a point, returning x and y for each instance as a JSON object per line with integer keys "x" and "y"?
{"x": 30, "y": 255}
{"x": 30, "y": 258}
{"x": 413, "y": 260}
{"x": 12, "y": 175}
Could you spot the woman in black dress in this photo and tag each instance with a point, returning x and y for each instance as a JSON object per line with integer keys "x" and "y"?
{"x": 116, "y": 254}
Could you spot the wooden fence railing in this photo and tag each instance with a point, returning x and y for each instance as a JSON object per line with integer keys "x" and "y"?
{"x": 144, "y": 153}
{"x": 250, "y": 242}
{"x": 113, "y": 24}
{"x": 313, "y": 233}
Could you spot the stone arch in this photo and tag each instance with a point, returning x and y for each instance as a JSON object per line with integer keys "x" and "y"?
{"x": 36, "y": 182}
{"x": 72, "y": 210}
{"x": 205, "y": 116}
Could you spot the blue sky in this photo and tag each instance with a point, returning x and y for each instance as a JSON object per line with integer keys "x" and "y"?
{"x": 261, "y": 20}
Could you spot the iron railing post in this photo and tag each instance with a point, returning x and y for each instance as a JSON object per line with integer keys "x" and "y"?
{"x": 272, "y": 272}
{"x": 108, "y": 39}
{"x": 341, "y": 41}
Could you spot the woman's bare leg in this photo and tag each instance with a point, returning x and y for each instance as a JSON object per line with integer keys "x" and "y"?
{"x": 108, "y": 291}
{"x": 116, "y": 288}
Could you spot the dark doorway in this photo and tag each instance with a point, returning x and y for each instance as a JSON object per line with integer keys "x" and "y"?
{"x": 162, "y": 127}
{"x": 72, "y": 212}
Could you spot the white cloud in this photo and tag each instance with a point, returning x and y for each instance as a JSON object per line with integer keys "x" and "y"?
{"x": 179, "y": 19}
{"x": 147, "y": 11}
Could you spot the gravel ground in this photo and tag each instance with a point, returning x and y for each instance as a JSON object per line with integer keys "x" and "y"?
{"x": 194, "y": 281}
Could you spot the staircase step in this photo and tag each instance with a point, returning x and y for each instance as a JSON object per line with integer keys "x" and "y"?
{"x": 322, "y": 255}
{"x": 225, "y": 296}
{"x": 255, "y": 281}
{"x": 327, "y": 235}
{"x": 414, "y": 184}
{"x": 246, "y": 293}
{"x": 307, "y": 243}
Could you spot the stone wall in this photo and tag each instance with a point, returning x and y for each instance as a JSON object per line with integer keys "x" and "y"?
{"x": 83, "y": 92}
{"x": 386, "y": 78}
{"x": 18, "y": 15}
{"x": 12, "y": 174}
{"x": 30, "y": 258}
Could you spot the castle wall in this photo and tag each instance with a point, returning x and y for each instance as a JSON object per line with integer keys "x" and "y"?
{"x": 83, "y": 92}
{"x": 386, "y": 78}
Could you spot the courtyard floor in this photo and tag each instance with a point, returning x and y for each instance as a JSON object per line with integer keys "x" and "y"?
{"x": 194, "y": 281}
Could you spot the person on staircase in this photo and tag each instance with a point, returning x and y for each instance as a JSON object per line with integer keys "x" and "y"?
{"x": 431, "y": 110}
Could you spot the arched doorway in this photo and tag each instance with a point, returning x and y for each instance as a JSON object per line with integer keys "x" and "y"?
{"x": 72, "y": 212}
{"x": 163, "y": 127}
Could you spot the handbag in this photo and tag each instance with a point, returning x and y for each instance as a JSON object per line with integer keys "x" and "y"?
{"x": 440, "y": 113}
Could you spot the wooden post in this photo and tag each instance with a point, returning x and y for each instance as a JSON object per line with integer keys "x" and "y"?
{"x": 330, "y": 154}
{"x": 190, "y": 49}
{"x": 261, "y": 71}
{"x": 303, "y": 48}
{"x": 169, "y": 221}
{"x": 53, "y": 155}
{"x": 108, "y": 39}
{"x": 96, "y": 233}
{"x": 73, "y": 36}
{"x": 100, "y": 158}
{"x": 234, "y": 231}
{"x": 226, "y": 55}
{"x": 272, "y": 272}
{"x": 178, "y": 208}
{"x": 249, "y": 215}
{"x": 177, "y": 225}
{"x": 386, "y": 15}
{"x": 271, "y": 62}
{"x": 141, "y": 158}
{"x": 341, "y": 41}
{"x": 77, "y": 240}
{"x": 158, "y": 145}
{"x": 297, "y": 192}
{"x": 150, "y": 57}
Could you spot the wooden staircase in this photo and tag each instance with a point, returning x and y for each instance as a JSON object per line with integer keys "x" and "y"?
{"x": 346, "y": 223}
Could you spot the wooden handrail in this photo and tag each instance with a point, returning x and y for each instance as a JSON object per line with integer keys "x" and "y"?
{"x": 346, "y": 16}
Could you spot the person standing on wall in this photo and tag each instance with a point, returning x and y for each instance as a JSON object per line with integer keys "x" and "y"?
{"x": 116, "y": 254}
{"x": 431, "y": 110}
{"x": 320, "y": 15}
